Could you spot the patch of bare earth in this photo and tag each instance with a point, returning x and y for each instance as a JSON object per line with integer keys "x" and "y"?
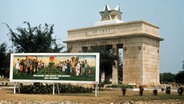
{"x": 105, "y": 97}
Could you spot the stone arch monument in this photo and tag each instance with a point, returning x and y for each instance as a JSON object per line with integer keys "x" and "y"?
{"x": 140, "y": 41}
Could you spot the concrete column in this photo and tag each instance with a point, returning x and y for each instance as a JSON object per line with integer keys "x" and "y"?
{"x": 115, "y": 66}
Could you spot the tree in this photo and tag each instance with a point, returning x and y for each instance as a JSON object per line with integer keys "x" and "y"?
{"x": 167, "y": 77}
{"x": 180, "y": 75}
{"x": 3, "y": 49}
{"x": 34, "y": 39}
{"x": 183, "y": 65}
{"x": 107, "y": 58}
{"x": 4, "y": 60}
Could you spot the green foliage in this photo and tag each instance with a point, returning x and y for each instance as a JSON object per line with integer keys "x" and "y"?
{"x": 120, "y": 86}
{"x": 107, "y": 58}
{"x": 4, "y": 60}
{"x": 39, "y": 88}
{"x": 34, "y": 39}
{"x": 183, "y": 65}
{"x": 180, "y": 77}
{"x": 35, "y": 88}
{"x": 74, "y": 89}
{"x": 106, "y": 54}
{"x": 3, "y": 49}
{"x": 167, "y": 77}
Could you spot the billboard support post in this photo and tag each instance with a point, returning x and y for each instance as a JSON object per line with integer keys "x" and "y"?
{"x": 96, "y": 90}
{"x": 18, "y": 87}
{"x": 53, "y": 90}
{"x": 14, "y": 88}
{"x": 58, "y": 88}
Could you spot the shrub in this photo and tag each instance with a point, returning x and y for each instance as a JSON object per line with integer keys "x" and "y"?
{"x": 39, "y": 88}
{"x": 120, "y": 86}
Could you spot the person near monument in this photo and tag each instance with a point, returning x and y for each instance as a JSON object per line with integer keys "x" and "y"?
{"x": 168, "y": 90}
{"x": 180, "y": 91}
{"x": 141, "y": 89}
{"x": 123, "y": 89}
{"x": 155, "y": 92}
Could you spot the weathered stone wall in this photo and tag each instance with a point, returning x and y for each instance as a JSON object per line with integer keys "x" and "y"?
{"x": 141, "y": 61}
{"x": 75, "y": 47}
{"x": 132, "y": 63}
{"x": 113, "y": 30}
{"x": 151, "y": 62}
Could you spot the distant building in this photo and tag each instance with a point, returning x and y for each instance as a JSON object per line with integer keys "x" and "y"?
{"x": 139, "y": 40}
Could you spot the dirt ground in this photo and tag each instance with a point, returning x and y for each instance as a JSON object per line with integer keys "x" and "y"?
{"x": 110, "y": 96}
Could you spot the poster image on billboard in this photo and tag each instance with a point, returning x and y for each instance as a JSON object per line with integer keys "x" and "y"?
{"x": 55, "y": 67}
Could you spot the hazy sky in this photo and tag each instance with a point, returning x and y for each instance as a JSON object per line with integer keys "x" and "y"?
{"x": 70, "y": 14}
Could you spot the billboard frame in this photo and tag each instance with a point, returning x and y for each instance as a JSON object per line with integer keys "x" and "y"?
{"x": 97, "y": 60}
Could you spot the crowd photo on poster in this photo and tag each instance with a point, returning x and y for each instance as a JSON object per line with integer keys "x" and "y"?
{"x": 55, "y": 67}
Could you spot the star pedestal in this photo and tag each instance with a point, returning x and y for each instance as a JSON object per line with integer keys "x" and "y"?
{"x": 107, "y": 22}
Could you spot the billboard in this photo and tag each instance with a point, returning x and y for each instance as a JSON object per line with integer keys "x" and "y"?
{"x": 55, "y": 67}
